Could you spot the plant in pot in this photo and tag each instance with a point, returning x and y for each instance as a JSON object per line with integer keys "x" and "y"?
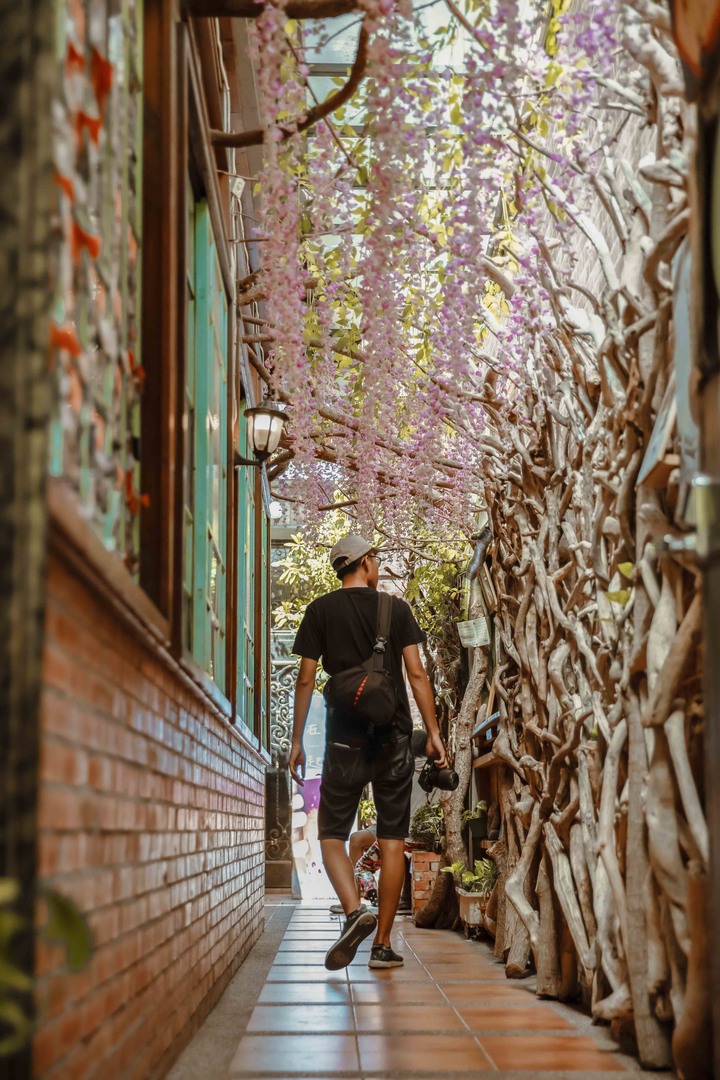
{"x": 367, "y": 813}
{"x": 427, "y": 826}
{"x": 473, "y": 888}
{"x": 476, "y": 820}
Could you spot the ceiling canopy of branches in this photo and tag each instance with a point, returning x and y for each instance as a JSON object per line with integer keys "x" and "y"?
{"x": 427, "y": 212}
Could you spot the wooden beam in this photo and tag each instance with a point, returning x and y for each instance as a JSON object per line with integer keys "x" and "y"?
{"x": 247, "y": 9}
{"x": 486, "y": 760}
{"x": 163, "y": 155}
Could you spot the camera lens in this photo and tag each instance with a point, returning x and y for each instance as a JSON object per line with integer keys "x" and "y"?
{"x": 447, "y": 779}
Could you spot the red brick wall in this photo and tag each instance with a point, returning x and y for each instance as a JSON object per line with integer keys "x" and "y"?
{"x": 425, "y": 866}
{"x": 151, "y": 819}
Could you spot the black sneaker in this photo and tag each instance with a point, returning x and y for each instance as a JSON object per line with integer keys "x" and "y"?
{"x": 359, "y": 925}
{"x": 383, "y": 956}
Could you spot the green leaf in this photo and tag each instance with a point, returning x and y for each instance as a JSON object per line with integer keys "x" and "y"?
{"x": 10, "y": 925}
{"x": 9, "y": 890}
{"x": 67, "y": 924}
{"x": 627, "y": 569}
{"x": 619, "y": 596}
{"x": 19, "y": 1025}
{"x": 13, "y": 978}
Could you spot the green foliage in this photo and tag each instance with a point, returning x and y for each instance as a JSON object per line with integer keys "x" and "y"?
{"x": 480, "y": 880}
{"x": 15, "y": 1024}
{"x": 434, "y": 588}
{"x": 305, "y": 571}
{"x": 66, "y": 924}
{"x": 435, "y": 591}
{"x": 479, "y": 809}
{"x": 367, "y": 813}
{"x": 427, "y": 822}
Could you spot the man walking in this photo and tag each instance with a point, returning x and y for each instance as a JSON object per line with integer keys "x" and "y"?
{"x": 341, "y": 628}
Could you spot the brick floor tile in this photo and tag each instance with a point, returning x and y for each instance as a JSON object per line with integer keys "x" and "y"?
{"x": 465, "y": 973}
{"x": 290, "y": 1055}
{"x": 550, "y": 1053}
{"x": 488, "y": 993}
{"x": 398, "y": 1018}
{"x": 304, "y": 973}
{"x": 300, "y": 959}
{"x": 540, "y": 1017}
{"x": 445, "y": 958}
{"x": 302, "y": 1016}
{"x": 310, "y": 935}
{"x": 421, "y": 993}
{"x": 448, "y": 1013}
{"x": 438, "y": 1055}
{"x": 305, "y": 993}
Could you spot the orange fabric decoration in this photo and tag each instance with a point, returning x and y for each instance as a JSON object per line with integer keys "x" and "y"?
{"x": 82, "y": 239}
{"x": 93, "y": 125}
{"x": 101, "y": 75}
{"x": 65, "y": 337}
{"x": 66, "y": 185}
{"x": 136, "y": 370}
{"x": 133, "y": 501}
{"x": 74, "y": 58}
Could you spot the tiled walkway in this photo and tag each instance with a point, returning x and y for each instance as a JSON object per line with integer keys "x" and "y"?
{"x": 449, "y": 1012}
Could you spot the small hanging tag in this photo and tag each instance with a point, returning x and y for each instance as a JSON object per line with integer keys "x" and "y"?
{"x": 474, "y": 632}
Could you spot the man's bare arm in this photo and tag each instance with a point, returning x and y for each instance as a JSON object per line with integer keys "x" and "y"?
{"x": 425, "y": 701}
{"x": 304, "y": 686}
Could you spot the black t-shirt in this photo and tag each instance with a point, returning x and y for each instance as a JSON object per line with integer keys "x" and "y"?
{"x": 340, "y": 629}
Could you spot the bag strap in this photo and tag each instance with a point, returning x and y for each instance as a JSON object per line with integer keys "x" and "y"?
{"x": 383, "y": 630}
{"x": 376, "y": 661}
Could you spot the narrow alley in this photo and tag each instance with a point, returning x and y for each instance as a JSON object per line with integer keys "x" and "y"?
{"x": 450, "y": 1011}
{"x": 359, "y": 539}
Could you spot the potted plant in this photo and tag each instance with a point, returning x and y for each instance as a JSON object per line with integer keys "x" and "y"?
{"x": 476, "y": 820}
{"x": 427, "y": 826}
{"x": 473, "y": 887}
{"x": 367, "y": 813}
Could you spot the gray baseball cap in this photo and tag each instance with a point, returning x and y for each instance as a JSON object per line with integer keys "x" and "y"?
{"x": 348, "y": 550}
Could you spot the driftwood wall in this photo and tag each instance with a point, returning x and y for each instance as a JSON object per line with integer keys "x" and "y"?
{"x": 604, "y": 848}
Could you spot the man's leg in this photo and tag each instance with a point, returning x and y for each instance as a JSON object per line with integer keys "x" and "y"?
{"x": 392, "y": 876}
{"x": 359, "y": 922}
{"x": 359, "y": 842}
{"x": 341, "y": 873}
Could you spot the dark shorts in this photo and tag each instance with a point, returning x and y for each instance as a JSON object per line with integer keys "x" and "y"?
{"x": 348, "y": 768}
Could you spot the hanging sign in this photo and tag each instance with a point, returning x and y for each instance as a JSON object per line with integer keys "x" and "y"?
{"x": 474, "y": 632}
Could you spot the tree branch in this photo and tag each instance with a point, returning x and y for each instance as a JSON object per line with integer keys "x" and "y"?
{"x": 237, "y": 139}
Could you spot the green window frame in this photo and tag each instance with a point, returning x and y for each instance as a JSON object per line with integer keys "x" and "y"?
{"x": 264, "y": 659}
{"x": 206, "y": 450}
{"x": 246, "y": 586}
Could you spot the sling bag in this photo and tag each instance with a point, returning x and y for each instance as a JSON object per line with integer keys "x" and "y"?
{"x": 366, "y": 692}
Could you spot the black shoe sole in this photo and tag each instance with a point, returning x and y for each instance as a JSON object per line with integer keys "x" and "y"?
{"x": 343, "y": 951}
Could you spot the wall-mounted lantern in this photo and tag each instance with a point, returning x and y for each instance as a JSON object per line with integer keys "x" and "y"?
{"x": 265, "y": 428}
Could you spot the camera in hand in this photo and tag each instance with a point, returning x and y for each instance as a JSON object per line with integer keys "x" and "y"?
{"x": 433, "y": 777}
